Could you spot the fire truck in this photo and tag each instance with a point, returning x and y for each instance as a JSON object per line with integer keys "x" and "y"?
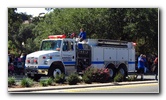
{"x": 59, "y": 54}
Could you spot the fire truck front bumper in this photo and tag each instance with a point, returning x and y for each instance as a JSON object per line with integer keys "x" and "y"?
{"x": 33, "y": 71}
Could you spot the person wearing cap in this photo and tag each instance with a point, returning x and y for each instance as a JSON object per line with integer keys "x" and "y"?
{"x": 82, "y": 35}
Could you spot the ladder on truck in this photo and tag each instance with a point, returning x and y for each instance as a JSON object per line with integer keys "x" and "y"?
{"x": 112, "y": 43}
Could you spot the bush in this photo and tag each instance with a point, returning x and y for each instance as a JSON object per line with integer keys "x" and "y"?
{"x": 49, "y": 81}
{"x": 11, "y": 81}
{"x": 60, "y": 78}
{"x": 87, "y": 78}
{"x": 96, "y": 75}
{"x": 27, "y": 82}
{"x": 73, "y": 79}
{"x": 132, "y": 78}
{"x": 103, "y": 75}
{"x": 118, "y": 78}
{"x": 44, "y": 83}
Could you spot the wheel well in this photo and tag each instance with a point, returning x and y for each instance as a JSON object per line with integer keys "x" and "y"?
{"x": 57, "y": 64}
{"x": 110, "y": 65}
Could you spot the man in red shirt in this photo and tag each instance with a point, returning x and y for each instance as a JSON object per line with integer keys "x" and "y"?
{"x": 156, "y": 67}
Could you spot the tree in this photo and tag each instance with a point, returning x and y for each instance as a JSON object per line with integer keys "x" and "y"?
{"x": 18, "y": 32}
{"x": 139, "y": 25}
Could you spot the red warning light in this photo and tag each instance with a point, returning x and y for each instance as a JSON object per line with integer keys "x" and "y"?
{"x": 57, "y": 36}
{"x": 134, "y": 44}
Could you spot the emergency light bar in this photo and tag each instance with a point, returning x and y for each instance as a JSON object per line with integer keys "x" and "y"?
{"x": 57, "y": 36}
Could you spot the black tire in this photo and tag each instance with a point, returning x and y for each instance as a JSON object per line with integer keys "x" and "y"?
{"x": 55, "y": 71}
{"x": 123, "y": 71}
{"x": 112, "y": 71}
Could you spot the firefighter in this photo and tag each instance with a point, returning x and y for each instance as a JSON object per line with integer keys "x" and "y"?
{"x": 82, "y": 35}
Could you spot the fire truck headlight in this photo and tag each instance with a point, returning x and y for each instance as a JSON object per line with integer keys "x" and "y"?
{"x": 45, "y": 62}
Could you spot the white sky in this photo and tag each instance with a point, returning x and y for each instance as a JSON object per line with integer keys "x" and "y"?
{"x": 31, "y": 11}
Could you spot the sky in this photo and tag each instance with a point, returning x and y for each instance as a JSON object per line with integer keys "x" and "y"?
{"x": 31, "y": 11}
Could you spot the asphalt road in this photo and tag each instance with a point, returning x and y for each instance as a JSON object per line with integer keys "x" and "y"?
{"x": 134, "y": 88}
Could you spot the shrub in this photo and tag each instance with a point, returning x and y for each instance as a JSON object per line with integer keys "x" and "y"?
{"x": 27, "y": 82}
{"x": 60, "y": 78}
{"x": 49, "y": 81}
{"x": 87, "y": 78}
{"x": 11, "y": 81}
{"x": 103, "y": 75}
{"x": 118, "y": 77}
{"x": 44, "y": 83}
{"x": 73, "y": 79}
{"x": 132, "y": 78}
{"x": 92, "y": 74}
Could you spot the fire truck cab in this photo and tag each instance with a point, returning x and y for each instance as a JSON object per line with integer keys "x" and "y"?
{"x": 59, "y": 54}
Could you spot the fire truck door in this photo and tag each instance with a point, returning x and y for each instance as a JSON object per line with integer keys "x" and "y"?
{"x": 68, "y": 52}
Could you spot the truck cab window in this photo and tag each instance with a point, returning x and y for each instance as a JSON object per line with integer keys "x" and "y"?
{"x": 51, "y": 45}
{"x": 68, "y": 46}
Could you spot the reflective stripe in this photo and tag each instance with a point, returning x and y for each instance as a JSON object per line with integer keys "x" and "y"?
{"x": 43, "y": 67}
{"x": 132, "y": 62}
{"x": 73, "y": 63}
{"x": 97, "y": 62}
{"x": 70, "y": 63}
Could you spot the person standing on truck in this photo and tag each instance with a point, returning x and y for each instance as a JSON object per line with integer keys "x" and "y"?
{"x": 73, "y": 36}
{"x": 82, "y": 35}
{"x": 141, "y": 66}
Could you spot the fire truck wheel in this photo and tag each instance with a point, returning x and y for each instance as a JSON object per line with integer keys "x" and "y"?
{"x": 122, "y": 71}
{"x": 112, "y": 71}
{"x": 55, "y": 72}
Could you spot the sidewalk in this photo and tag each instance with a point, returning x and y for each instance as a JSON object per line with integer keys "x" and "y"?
{"x": 19, "y": 90}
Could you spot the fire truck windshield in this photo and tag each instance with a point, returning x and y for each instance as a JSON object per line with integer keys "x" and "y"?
{"x": 51, "y": 45}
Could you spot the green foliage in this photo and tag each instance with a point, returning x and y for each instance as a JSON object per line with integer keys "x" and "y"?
{"x": 17, "y": 33}
{"x": 73, "y": 79}
{"x": 87, "y": 76}
{"x": 60, "y": 78}
{"x": 46, "y": 82}
{"x": 27, "y": 82}
{"x": 87, "y": 79}
{"x": 132, "y": 78}
{"x": 49, "y": 81}
{"x": 43, "y": 83}
{"x": 118, "y": 77}
{"x": 139, "y": 25}
{"x": 11, "y": 81}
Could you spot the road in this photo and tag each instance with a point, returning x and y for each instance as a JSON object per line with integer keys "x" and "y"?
{"x": 134, "y": 88}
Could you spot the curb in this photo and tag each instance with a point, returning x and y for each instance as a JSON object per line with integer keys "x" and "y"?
{"x": 18, "y": 90}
